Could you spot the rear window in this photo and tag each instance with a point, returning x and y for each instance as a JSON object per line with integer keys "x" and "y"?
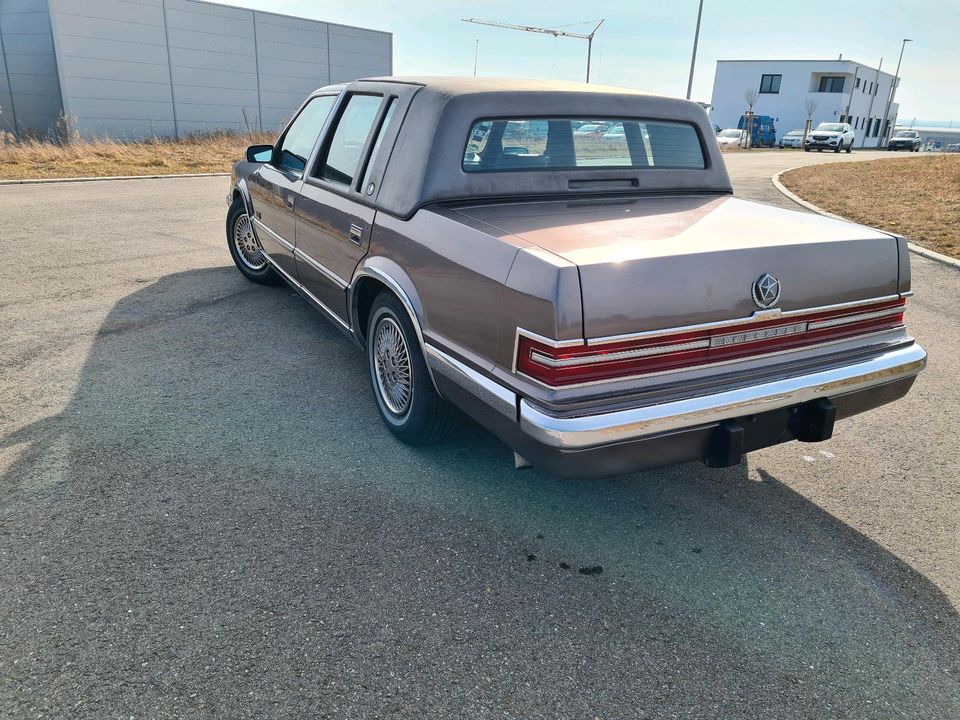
{"x": 572, "y": 143}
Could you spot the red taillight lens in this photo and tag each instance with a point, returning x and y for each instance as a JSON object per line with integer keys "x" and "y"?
{"x": 573, "y": 364}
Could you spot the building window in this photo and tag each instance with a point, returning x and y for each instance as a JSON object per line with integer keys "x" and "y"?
{"x": 876, "y": 127}
{"x": 770, "y": 83}
{"x": 870, "y": 91}
{"x": 857, "y": 85}
{"x": 831, "y": 84}
{"x": 856, "y": 123}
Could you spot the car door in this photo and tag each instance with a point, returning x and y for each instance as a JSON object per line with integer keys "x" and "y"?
{"x": 275, "y": 186}
{"x": 336, "y": 208}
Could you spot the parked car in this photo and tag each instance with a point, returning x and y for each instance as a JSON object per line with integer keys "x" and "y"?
{"x": 905, "y": 140}
{"x": 592, "y": 129}
{"x": 792, "y": 139}
{"x": 599, "y": 309}
{"x": 763, "y": 130}
{"x": 952, "y": 147}
{"x": 831, "y": 136}
{"x": 730, "y": 137}
{"x": 615, "y": 133}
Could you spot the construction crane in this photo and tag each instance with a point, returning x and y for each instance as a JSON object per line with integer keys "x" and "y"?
{"x": 546, "y": 31}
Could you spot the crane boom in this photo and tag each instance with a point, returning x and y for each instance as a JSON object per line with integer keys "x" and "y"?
{"x": 545, "y": 31}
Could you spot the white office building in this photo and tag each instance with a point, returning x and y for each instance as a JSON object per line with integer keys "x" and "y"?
{"x": 842, "y": 91}
{"x": 136, "y": 68}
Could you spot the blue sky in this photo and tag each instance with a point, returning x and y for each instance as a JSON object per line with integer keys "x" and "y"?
{"x": 646, "y": 44}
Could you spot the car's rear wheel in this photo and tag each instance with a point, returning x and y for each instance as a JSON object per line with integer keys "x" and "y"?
{"x": 245, "y": 248}
{"x": 850, "y": 147}
{"x": 408, "y": 403}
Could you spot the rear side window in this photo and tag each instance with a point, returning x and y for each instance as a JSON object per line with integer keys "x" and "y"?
{"x": 568, "y": 144}
{"x": 349, "y": 137}
{"x": 303, "y": 132}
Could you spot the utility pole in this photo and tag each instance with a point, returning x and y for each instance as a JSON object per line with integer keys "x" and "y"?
{"x": 693, "y": 57}
{"x": 893, "y": 91}
{"x": 870, "y": 109}
{"x": 546, "y": 31}
{"x": 476, "y": 56}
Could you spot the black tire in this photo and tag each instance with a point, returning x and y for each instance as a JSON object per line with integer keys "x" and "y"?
{"x": 425, "y": 417}
{"x": 806, "y": 149}
{"x": 850, "y": 147}
{"x": 839, "y": 147}
{"x": 265, "y": 275}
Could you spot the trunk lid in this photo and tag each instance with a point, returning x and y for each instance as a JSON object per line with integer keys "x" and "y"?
{"x": 654, "y": 263}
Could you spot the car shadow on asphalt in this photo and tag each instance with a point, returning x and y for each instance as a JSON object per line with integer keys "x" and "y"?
{"x": 208, "y": 405}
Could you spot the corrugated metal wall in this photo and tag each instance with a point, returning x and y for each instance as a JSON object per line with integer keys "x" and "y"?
{"x": 135, "y": 68}
{"x": 29, "y": 88}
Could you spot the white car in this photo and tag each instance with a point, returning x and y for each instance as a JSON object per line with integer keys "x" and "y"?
{"x": 729, "y": 138}
{"x": 792, "y": 139}
{"x": 831, "y": 136}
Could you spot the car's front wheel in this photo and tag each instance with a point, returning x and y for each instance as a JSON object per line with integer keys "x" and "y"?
{"x": 850, "y": 147}
{"x": 245, "y": 248}
{"x": 408, "y": 403}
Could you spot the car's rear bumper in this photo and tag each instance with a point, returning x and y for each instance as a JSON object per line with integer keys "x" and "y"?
{"x": 624, "y": 440}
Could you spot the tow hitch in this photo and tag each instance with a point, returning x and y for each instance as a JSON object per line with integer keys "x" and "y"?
{"x": 810, "y": 422}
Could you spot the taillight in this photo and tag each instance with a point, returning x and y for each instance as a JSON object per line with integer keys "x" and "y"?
{"x": 656, "y": 352}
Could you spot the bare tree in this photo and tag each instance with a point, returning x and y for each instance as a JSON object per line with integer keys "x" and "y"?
{"x": 810, "y": 106}
{"x": 750, "y": 95}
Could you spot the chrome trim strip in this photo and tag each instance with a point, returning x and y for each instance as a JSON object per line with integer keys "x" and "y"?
{"x": 759, "y": 316}
{"x": 848, "y": 319}
{"x": 542, "y": 359}
{"x": 309, "y": 295}
{"x": 492, "y": 393}
{"x": 323, "y": 270}
{"x": 259, "y": 224}
{"x": 571, "y": 433}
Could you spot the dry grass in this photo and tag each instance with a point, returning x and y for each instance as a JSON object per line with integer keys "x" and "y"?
{"x": 98, "y": 158}
{"x": 918, "y": 197}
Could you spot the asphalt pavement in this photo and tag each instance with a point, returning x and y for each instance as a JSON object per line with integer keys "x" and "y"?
{"x": 201, "y": 515}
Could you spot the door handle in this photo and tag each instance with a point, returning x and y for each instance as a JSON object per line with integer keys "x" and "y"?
{"x": 291, "y": 200}
{"x": 356, "y": 233}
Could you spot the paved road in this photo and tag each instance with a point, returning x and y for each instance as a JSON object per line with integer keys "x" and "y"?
{"x": 201, "y": 515}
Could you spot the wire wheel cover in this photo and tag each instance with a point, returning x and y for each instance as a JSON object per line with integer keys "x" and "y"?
{"x": 392, "y": 365}
{"x": 246, "y": 244}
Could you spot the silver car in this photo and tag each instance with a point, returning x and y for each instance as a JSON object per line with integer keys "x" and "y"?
{"x": 792, "y": 139}
{"x": 599, "y": 306}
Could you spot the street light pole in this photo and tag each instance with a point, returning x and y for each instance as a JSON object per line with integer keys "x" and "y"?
{"x": 693, "y": 57}
{"x": 893, "y": 93}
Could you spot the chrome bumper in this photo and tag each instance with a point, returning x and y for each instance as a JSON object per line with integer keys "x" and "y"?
{"x": 586, "y": 431}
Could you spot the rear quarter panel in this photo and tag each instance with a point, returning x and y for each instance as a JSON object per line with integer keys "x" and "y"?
{"x": 458, "y": 272}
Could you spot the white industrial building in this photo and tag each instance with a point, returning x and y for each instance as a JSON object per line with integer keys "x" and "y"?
{"x": 136, "y": 68}
{"x": 843, "y": 90}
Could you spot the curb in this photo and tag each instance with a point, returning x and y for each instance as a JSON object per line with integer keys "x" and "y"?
{"x": 921, "y": 251}
{"x": 47, "y": 181}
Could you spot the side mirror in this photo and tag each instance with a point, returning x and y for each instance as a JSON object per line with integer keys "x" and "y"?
{"x": 259, "y": 153}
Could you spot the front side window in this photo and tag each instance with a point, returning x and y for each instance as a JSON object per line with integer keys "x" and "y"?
{"x": 349, "y": 138}
{"x": 831, "y": 84}
{"x": 578, "y": 143}
{"x": 770, "y": 83}
{"x": 301, "y": 136}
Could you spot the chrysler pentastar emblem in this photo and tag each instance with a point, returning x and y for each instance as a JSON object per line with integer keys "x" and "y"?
{"x": 766, "y": 291}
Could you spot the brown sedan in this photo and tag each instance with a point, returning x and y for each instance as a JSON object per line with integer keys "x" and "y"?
{"x": 602, "y": 303}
